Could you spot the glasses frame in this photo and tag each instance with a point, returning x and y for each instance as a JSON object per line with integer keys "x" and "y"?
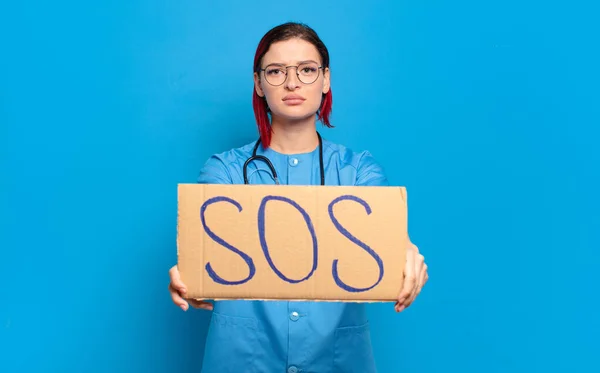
{"x": 319, "y": 68}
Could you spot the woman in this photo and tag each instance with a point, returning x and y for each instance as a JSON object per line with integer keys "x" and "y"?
{"x": 292, "y": 87}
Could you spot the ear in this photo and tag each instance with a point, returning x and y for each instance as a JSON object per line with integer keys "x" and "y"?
{"x": 257, "y": 86}
{"x": 326, "y": 80}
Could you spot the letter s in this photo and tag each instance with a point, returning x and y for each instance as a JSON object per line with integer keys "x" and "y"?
{"x": 348, "y": 235}
{"x": 216, "y": 278}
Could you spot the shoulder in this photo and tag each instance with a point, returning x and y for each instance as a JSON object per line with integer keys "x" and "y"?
{"x": 346, "y": 155}
{"x": 221, "y": 168}
{"x": 368, "y": 170}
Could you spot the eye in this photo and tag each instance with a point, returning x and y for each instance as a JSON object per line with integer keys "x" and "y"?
{"x": 274, "y": 71}
{"x": 307, "y": 70}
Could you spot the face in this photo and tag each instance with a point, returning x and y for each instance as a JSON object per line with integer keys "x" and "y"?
{"x": 296, "y": 98}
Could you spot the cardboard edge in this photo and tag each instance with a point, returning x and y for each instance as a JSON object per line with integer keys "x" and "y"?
{"x": 178, "y": 225}
{"x": 181, "y": 186}
{"x": 301, "y": 300}
{"x": 203, "y": 243}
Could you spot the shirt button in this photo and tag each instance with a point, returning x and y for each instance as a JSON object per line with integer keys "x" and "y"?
{"x": 292, "y": 369}
{"x": 294, "y": 316}
{"x": 293, "y": 162}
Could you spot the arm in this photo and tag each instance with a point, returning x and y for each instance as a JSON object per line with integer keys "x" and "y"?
{"x": 214, "y": 171}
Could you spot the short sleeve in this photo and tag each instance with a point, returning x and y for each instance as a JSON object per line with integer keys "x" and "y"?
{"x": 214, "y": 171}
{"x": 370, "y": 172}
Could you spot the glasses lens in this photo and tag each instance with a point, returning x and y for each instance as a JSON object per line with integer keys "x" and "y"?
{"x": 275, "y": 75}
{"x": 308, "y": 72}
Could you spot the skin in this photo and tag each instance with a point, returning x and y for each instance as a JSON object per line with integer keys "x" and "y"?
{"x": 294, "y": 131}
{"x": 415, "y": 277}
{"x": 294, "y": 127}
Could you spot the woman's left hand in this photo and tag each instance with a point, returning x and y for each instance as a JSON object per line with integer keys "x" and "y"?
{"x": 415, "y": 277}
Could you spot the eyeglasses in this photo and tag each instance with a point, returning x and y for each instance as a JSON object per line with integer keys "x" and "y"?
{"x": 277, "y": 74}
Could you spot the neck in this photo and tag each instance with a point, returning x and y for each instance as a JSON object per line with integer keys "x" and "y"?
{"x": 294, "y": 137}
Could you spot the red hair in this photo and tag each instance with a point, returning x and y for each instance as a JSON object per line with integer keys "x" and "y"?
{"x": 280, "y": 33}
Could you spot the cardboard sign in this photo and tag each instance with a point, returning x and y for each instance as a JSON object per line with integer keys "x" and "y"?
{"x": 276, "y": 242}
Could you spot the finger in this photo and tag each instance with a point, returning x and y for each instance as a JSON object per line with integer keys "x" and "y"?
{"x": 177, "y": 299}
{"x": 402, "y": 305}
{"x": 409, "y": 280}
{"x": 423, "y": 277}
{"x": 419, "y": 283}
{"x": 409, "y": 277}
{"x": 176, "y": 280}
{"x": 201, "y": 304}
{"x": 422, "y": 281}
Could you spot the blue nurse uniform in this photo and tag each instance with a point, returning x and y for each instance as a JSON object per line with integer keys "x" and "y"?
{"x": 280, "y": 336}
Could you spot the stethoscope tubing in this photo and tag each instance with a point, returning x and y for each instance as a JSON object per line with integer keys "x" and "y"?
{"x": 272, "y": 168}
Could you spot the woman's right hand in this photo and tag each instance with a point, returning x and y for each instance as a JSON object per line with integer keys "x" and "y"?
{"x": 178, "y": 293}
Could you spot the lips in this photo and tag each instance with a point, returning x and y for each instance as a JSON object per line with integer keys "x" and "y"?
{"x": 293, "y": 100}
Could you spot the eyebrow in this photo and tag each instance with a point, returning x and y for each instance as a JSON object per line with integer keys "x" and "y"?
{"x": 299, "y": 63}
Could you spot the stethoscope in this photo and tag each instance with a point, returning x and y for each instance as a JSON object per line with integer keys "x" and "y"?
{"x": 268, "y": 162}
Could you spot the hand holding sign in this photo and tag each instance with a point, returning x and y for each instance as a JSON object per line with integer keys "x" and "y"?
{"x": 415, "y": 277}
{"x": 179, "y": 291}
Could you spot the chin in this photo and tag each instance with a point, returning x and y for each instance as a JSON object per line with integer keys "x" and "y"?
{"x": 296, "y": 118}
{"x": 296, "y": 113}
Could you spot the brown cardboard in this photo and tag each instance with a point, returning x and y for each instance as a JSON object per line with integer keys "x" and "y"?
{"x": 289, "y": 241}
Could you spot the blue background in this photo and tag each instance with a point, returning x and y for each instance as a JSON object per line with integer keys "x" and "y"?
{"x": 487, "y": 112}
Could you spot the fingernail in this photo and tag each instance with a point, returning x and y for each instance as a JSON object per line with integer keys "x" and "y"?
{"x": 183, "y": 307}
{"x": 401, "y": 308}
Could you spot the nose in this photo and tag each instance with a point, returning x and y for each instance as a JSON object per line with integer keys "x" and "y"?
{"x": 291, "y": 80}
